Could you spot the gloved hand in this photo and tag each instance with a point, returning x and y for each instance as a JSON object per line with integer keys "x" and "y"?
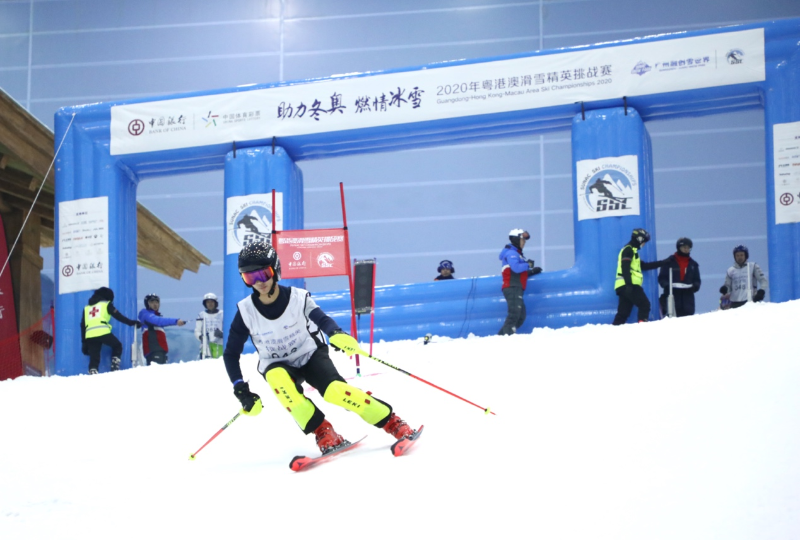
{"x": 759, "y": 295}
{"x": 723, "y": 290}
{"x": 251, "y": 402}
{"x": 695, "y": 288}
{"x": 342, "y": 341}
{"x": 85, "y": 349}
{"x": 535, "y": 270}
{"x": 217, "y": 333}
{"x": 137, "y": 324}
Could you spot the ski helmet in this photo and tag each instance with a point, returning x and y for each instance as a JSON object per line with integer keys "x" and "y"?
{"x": 257, "y": 255}
{"x": 683, "y": 242}
{"x": 446, "y": 265}
{"x": 515, "y": 234}
{"x": 150, "y": 297}
{"x": 743, "y": 249}
{"x": 210, "y": 296}
{"x": 640, "y": 235}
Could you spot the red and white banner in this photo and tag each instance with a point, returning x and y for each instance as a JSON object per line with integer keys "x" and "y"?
{"x": 313, "y": 253}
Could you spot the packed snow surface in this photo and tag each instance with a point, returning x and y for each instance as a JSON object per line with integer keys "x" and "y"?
{"x": 678, "y": 429}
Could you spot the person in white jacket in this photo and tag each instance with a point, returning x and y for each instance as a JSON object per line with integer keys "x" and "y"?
{"x": 208, "y": 328}
{"x": 744, "y": 280}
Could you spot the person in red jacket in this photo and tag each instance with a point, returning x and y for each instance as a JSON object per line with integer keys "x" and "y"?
{"x": 516, "y": 270}
{"x": 154, "y": 339}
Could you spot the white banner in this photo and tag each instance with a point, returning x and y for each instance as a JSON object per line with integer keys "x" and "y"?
{"x": 82, "y": 245}
{"x": 249, "y": 218}
{"x": 608, "y": 187}
{"x": 365, "y": 101}
{"x": 786, "y": 155}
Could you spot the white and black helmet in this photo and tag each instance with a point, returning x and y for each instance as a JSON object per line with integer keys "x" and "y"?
{"x": 210, "y": 296}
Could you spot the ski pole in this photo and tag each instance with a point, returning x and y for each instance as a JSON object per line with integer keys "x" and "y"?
{"x": 485, "y": 409}
{"x": 192, "y": 457}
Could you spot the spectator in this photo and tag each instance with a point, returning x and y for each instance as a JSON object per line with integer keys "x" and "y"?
{"x": 629, "y": 279}
{"x": 154, "y": 339}
{"x": 286, "y": 326}
{"x": 445, "y": 270}
{"x": 744, "y": 281}
{"x": 685, "y": 279}
{"x": 516, "y": 270}
{"x": 208, "y": 328}
{"x": 96, "y": 329}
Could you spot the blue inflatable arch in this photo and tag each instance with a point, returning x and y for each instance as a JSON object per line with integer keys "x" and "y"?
{"x": 603, "y": 94}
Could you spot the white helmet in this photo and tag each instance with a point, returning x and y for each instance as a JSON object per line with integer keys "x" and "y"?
{"x": 210, "y": 296}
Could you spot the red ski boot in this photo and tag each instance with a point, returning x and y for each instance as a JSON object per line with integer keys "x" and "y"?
{"x": 397, "y": 427}
{"x": 327, "y": 438}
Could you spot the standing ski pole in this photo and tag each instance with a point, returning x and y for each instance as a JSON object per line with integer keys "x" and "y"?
{"x": 350, "y": 346}
{"x": 192, "y": 457}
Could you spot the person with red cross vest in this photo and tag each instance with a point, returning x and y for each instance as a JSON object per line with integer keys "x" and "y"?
{"x": 96, "y": 329}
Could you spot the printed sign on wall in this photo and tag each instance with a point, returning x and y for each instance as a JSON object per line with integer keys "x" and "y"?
{"x": 82, "y": 245}
{"x": 420, "y": 95}
{"x": 312, "y": 253}
{"x": 786, "y": 154}
{"x": 608, "y": 187}
{"x": 249, "y": 218}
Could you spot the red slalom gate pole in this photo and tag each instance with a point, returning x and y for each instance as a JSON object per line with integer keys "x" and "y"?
{"x": 485, "y": 409}
{"x": 192, "y": 457}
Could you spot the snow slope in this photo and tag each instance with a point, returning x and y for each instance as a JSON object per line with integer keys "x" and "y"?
{"x": 678, "y": 429}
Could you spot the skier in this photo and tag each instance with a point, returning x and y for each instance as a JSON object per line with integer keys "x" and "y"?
{"x": 628, "y": 285}
{"x": 154, "y": 339}
{"x": 286, "y": 326}
{"x": 516, "y": 270}
{"x": 96, "y": 328}
{"x": 208, "y": 328}
{"x": 445, "y": 270}
{"x": 685, "y": 279}
{"x": 742, "y": 274}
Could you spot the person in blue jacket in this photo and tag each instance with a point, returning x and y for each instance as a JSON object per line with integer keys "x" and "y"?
{"x": 154, "y": 339}
{"x": 685, "y": 279}
{"x": 516, "y": 270}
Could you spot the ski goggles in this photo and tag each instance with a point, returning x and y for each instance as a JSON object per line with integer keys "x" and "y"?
{"x": 262, "y": 274}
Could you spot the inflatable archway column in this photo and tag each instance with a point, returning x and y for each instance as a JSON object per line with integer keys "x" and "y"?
{"x": 781, "y": 106}
{"x": 256, "y": 172}
{"x": 87, "y": 171}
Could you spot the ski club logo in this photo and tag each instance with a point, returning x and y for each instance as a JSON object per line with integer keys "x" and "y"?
{"x": 136, "y": 127}
{"x": 325, "y": 260}
{"x": 608, "y": 187}
{"x": 253, "y": 222}
{"x": 735, "y": 56}
{"x": 641, "y": 68}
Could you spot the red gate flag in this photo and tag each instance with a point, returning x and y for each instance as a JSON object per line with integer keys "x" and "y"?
{"x": 312, "y": 253}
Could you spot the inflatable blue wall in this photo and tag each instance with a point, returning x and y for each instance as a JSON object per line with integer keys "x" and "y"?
{"x": 607, "y": 127}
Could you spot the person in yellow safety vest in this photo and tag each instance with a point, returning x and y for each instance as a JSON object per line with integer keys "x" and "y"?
{"x": 629, "y": 278}
{"x": 96, "y": 328}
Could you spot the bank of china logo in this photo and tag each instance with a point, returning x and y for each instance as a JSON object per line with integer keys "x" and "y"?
{"x": 325, "y": 260}
{"x": 641, "y": 68}
{"x": 253, "y": 223}
{"x": 735, "y": 56}
{"x": 608, "y": 190}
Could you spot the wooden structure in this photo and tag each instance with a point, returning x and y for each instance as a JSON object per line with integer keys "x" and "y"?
{"x": 26, "y": 152}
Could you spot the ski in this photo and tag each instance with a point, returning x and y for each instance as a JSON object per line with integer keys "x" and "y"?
{"x": 402, "y": 446}
{"x": 300, "y": 463}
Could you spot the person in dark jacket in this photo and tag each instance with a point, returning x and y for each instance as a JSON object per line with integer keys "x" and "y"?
{"x": 516, "y": 270}
{"x": 96, "y": 329}
{"x": 154, "y": 339}
{"x": 445, "y": 270}
{"x": 629, "y": 278}
{"x": 685, "y": 279}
